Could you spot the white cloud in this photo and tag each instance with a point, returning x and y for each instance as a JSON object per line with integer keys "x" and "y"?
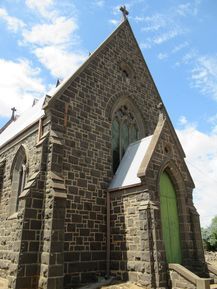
{"x": 99, "y": 3}
{"x": 180, "y": 47}
{"x": 116, "y": 10}
{"x": 145, "y": 45}
{"x": 55, "y": 33}
{"x": 162, "y": 27}
{"x": 19, "y": 85}
{"x": 162, "y": 37}
{"x": 196, "y": 6}
{"x": 43, "y": 7}
{"x": 59, "y": 61}
{"x": 114, "y": 21}
{"x": 183, "y": 120}
{"x": 204, "y": 75}
{"x": 189, "y": 8}
{"x": 201, "y": 152}
{"x": 188, "y": 58}
{"x": 162, "y": 56}
{"x": 54, "y": 40}
{"x": 13, "y": 23}
{"x": 202, "y": 72}
{"x": 154, "y": 22}
{"x": 184, "y": 9}
{"x": 213, "y": 121}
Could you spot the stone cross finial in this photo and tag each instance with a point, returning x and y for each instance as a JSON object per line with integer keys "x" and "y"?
{"x": 160, "y": 108}
{"x": 124, "y": 11}
{"x": 13, "y": 113}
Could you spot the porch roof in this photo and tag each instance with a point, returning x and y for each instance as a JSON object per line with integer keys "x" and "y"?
{"x": 126, "y": 174}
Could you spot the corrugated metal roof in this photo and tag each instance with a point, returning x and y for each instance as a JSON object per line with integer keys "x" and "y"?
{"x": 27, "y": 118}
{"x": 126, "y": 174}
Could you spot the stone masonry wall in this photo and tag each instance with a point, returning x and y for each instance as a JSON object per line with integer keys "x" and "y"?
{"x": 32, "y": 236}
{"x": 72, "y": 237}
{"x": 87, "y": 162}
{"x": 52, "y": 257}
{"x": 130, "y": 255}
{"x": 15, "y": 237}
{"x": 167, "y": 157}
{"x": 130, "y": 214}
{"x": 83, "y": 114}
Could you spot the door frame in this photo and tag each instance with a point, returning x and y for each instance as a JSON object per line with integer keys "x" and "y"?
{"x": 179, "y": 185}
{"x": 170, "y": 221}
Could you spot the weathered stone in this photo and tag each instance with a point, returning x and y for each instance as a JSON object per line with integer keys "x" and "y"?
{"x": 58, "y": 230}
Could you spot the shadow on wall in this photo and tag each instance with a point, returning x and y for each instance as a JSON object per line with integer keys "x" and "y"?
{"x": 132, "y": 247}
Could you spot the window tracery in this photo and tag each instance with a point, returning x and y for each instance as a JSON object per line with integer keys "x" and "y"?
{"x": 124, "y": 132}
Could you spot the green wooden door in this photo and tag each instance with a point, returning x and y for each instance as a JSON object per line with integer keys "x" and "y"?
{"x": 169, "y": 220}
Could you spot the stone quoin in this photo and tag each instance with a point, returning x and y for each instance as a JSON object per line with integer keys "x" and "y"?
{"x": 93, "y": 181}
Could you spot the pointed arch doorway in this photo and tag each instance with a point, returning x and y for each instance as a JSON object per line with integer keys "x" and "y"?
{"x": 169, "y": 219}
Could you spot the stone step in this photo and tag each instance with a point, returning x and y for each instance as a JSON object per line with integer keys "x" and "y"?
{"x": 213, "y": 286}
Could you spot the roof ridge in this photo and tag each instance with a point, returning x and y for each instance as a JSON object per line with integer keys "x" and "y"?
{"x": 68, "y": 80}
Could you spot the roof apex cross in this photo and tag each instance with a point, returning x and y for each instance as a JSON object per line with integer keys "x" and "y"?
{"x": 124, "y": 12}
{"x": 13, "y": 113}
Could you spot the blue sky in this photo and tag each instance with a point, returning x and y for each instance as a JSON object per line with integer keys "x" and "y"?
{"x": 42, "y": 40}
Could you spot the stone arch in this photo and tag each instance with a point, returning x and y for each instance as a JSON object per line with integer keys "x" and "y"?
{"x": 127, "y": 126}
{"x": 120, "y": 99}
{"x": 21, "y": 151}
{"x": 127, "y": 70}
{"x": 169, "y": 166}
{"x": 18, "y": 175}
{"x": 2, "y": 172}
{"x": 173, "y": 171}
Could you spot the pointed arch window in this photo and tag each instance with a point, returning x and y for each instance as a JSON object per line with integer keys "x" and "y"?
{"x": 2, "y": 170}
{"x": 18, "y": 175}
{"x": 124, "y": 132}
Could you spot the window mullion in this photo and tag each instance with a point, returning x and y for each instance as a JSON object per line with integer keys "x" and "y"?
{"x": 23, "y": 180}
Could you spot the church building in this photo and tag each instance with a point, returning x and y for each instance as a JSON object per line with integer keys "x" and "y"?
{"x": 93, "y": 181}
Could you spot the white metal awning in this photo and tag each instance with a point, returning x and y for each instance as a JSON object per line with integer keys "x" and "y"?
{"x": 126, "y": 174}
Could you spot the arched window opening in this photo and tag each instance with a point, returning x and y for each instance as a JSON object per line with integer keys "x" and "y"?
{"x": 124, "y": 132}
{"x": 127, "y": 71}
{"x": 2, "y": 169}
{"x": 18, "y": 174}
{"x": 22, "y": 181}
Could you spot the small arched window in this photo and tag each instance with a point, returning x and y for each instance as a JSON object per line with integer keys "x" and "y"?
{"x": 124, "y": 132}
{"x": 18, "y": 174}
{"x": 2, "y": 169}
{"x": 127, "y": 71}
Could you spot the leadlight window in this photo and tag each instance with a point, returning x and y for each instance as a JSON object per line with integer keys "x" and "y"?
{"x": 2, "y": 168}
{"x": 124, "y": 132}
{"x": 18, "y": 174}
{"x": 22, "y": 181}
